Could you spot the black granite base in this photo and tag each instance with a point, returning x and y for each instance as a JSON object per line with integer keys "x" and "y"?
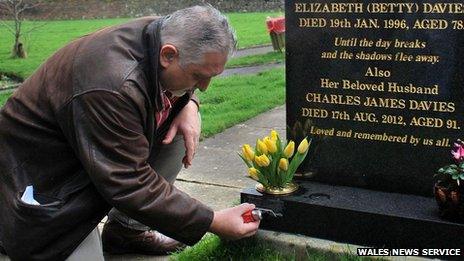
{"x": 359, "y": 216}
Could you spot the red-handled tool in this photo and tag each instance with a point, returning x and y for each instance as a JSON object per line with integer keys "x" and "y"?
{"x": 257, "y": 214}
{"x": 252, "y": 215}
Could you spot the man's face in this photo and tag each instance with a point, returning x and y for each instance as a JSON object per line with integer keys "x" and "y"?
{"x": 179, "y": 79}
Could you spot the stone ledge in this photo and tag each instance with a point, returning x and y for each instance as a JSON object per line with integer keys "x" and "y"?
{"x": 298, "y": 244}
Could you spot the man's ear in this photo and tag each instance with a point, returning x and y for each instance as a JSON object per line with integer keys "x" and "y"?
{"x": 168, "y": 54}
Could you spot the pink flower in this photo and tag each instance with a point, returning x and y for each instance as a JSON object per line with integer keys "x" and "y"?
{"x": 458, "y": 154}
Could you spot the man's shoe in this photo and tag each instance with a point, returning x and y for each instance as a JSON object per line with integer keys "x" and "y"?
{"x": 118, "y": 239}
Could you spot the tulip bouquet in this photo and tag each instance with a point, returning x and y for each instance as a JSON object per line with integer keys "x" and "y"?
{"x": 273, "y": 162}
{"x": 454, "y": 171}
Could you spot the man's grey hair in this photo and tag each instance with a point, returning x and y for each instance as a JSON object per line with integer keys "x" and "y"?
{"x": 197, "y": 30}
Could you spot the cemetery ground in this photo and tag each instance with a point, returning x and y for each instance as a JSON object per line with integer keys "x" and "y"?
{"x": 229, "y": 101}
{"x": 212, "y": 248}
{"x": 222, "y": 105}
{"x": 257, "y": 59}
{"x": 4, "y": 96}
{"x": 45, "y": 40}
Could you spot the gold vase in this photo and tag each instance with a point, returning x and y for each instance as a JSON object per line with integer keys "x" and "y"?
{"x": 290, "y": 188}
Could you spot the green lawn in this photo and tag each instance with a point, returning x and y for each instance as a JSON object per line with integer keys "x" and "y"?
{"x": 234, "y": 99}
{"x": 212, "y": 248}
{"x": 258, "y": 59}
{"x": 251, "y": 28}
{"x": 43, "y": 42}
{"x": 4, "y": 96}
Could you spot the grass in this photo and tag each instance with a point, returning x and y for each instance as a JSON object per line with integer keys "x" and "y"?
{"x": 4, "y": 96}
{"x": 258, "y": 59}
{"x": 251, "y": 28}
{"x": 212, "y": 248}
{"x": 234, "y": 99}
{"x": 45, "y": 40}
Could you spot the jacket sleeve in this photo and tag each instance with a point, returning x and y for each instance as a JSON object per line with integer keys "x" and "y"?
{"x": 110, "y": 143}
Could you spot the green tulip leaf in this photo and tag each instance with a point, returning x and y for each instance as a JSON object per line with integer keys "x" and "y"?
{"x": 245, "y": 160}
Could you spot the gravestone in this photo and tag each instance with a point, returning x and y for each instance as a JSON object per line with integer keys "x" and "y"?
{"x": 378, "y": 86}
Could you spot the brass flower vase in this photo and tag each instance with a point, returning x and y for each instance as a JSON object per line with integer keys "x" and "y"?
{"x": 288, "y": 189}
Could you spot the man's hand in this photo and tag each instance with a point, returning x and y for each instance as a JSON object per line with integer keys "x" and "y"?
{"x": 188, "y": 124}
{"x": 228, "y": 223}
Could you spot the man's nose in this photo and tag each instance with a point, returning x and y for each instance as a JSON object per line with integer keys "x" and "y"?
{"x": 203, "y": 85}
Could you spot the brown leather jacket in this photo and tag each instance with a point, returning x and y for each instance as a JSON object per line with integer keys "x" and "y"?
{"x": 83, "y": 138}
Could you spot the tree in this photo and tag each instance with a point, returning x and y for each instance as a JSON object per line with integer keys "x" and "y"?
{"x": 12, "y": 16}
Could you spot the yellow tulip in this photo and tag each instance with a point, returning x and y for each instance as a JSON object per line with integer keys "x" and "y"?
{"x": 288, "y": 151}
{"x": 274, "y": 135}
{"x": 262, "y": 161}
{"x": 283, "y": 164}
{"x": 303, "y": 147}
{"x": 261, "y": 146}
{"x": 270, "y": 144}
{"x": 253, "y": 173}
{"x": 248, "y": 152}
